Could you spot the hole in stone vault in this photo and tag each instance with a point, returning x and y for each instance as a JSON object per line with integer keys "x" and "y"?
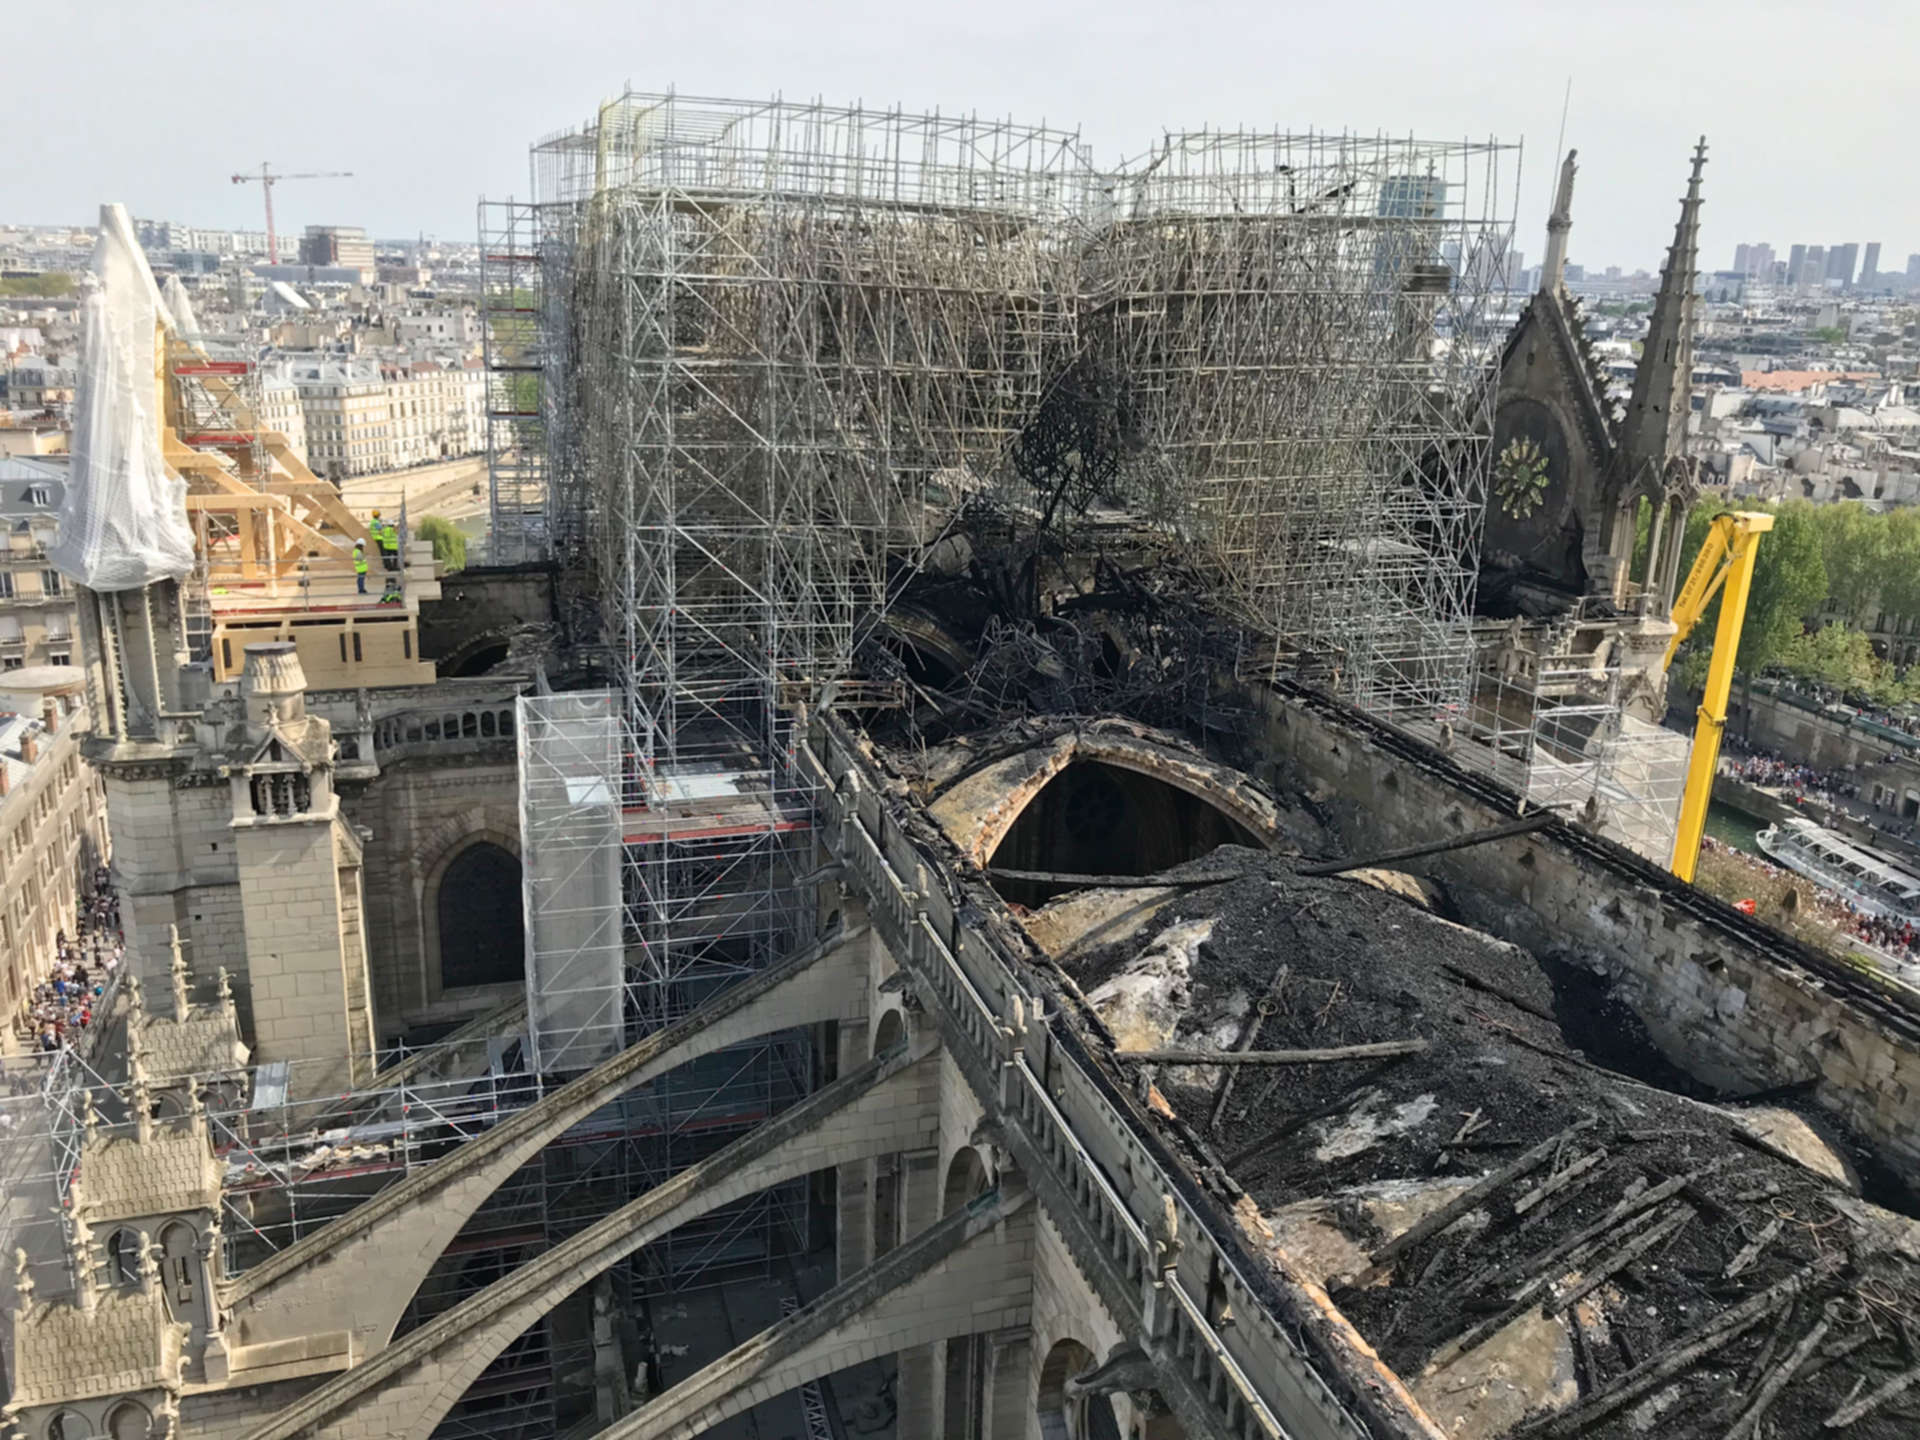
{"x": 1096, "y": 819}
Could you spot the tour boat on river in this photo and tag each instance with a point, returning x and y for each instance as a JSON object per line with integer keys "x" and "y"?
{"x": 1875, "y": 881}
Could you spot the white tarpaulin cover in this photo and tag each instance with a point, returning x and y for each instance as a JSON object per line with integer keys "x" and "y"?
{"x": 123, "y": 523}
{"x": 180, "y": 306}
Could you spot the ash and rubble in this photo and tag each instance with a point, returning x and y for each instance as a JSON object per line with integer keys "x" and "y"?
{"x": 1658, "y": 1195}
{"x": 1660, "y": 1261}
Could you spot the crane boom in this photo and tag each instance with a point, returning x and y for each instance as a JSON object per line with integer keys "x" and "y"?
{"x": 267, "y": 181}
{"x": 1725, "y": 563}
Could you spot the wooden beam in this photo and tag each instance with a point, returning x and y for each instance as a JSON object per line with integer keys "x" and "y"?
{"x": 1377, "y": 1051}
{"x": 241, "y": 499}
{"x": 1113, "y": 882}
{"x": 1539, "y": 820}
{"x": 249, "y": 560}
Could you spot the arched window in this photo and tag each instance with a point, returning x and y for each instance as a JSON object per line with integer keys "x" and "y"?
{"x": 180, "y": 1270}
{"x": 967, "y": 1180}
{"x": 69, "y": 1425}
{"x": 123, "y": 1258}
{"x": 481, "y": 919}
{"x": 129, "y": 1421}
{"x": 1059, "y": 1419}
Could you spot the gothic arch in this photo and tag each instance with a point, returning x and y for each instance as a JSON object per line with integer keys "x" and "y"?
{"x": 982, "y": 809}
{"x": 963, "y": 1358}
{"x": 476, "y": 655}
{"x": 181, "y": 1279}
{"x": 889, "y": 1030}
{"x": 129, "y": 1420}
{"x": 123, "y": 1257}
{"x": 1097, "y": 818}
{"x": 479, "y": 935}
{"x": 968, "y": 1178}
{"x": 1059, "y": 1419}
{"x": 440, "y": 848}
{"x": 887, "y": 1200}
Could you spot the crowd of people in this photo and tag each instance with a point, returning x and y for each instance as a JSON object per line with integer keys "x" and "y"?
{"x": 1806, "y": 782}
{"x": 1834, "y": 789}
{"x": 1903, "y": 719}
{"x": 62, "y": 1007}
{"x": 1896, "y": 939}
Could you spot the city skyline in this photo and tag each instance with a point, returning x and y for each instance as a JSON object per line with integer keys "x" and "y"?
{"x": 424, "y": 146}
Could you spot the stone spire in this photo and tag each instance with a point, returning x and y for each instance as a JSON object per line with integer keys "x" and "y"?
{"x": 22, "y": 1283}
{"x": 148, "y": 1262}
{"x": 139, "y": 1099}
{"x": 1553, "y": 270}
{"x": 80, "y": 1253}
{"x": 1655, "y": 430}
{"x": 179, "y": 971}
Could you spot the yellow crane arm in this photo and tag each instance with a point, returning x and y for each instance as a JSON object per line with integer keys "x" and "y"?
{"x": 1725, "y": 562}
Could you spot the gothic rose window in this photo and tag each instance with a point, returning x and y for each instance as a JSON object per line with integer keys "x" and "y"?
{"x": 1520, "y": 478}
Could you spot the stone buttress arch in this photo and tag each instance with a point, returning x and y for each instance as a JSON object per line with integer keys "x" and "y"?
{"x": 357, "y": 1274}
{"x": 407, "y": 1389}
{"x": 982, "y": 1267}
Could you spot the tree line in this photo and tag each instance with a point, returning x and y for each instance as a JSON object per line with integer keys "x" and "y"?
{"x": 1824, "y": 576}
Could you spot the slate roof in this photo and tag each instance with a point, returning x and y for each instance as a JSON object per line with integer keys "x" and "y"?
{"x": 207, "y": 1042}
{"x": 61, "y": 1353}
{"x": 122, "y": 1178}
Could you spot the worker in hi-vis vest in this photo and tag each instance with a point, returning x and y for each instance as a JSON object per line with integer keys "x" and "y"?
{"x": 360, "y": 566}
{"x": 388, "y": 535}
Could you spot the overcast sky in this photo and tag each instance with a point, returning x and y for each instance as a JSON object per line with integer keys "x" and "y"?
{"x": 1809, "y": 116}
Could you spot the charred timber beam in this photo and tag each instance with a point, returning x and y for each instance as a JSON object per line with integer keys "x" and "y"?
{"x": 1440, "y": 1219}
{"x": 1376, "y": 1051}
{"x": 1699, "y": 1343}
{"x": 1539, "y": 820}
{"x": 1264, "y": 1007}
{"x": 1112, "y": 882}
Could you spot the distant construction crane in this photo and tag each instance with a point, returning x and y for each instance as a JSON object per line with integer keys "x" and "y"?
{"x": 267, "y": 180}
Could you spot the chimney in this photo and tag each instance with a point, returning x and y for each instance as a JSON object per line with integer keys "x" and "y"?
{"x": 50, "y": 715}
{"x": 6, "y": 783}
{"x": 28, "y": 749}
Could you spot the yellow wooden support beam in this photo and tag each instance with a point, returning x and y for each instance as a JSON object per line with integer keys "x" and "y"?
{"x": 241, "y": 499}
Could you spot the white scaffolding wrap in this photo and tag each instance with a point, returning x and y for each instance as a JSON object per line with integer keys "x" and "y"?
{"x": 570, "y": 855}
{"x": 124, "y": 520}
{"x": 180, "y": 306}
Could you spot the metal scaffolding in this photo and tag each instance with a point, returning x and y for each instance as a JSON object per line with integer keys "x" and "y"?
{"x": 1555, "y": 727}
{"x": 570, "y": 841}
{"x": 512, "y": 296}
{"x": 790, "y": 321}
{"x": 1304, "y": 386}
{"x": 774, "y": 332}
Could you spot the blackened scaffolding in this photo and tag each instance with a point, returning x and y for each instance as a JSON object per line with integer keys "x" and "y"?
{"x": 1306, "y": 388}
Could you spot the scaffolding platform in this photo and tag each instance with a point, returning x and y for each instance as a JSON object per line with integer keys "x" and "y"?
{"x": 711, "y": 805}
